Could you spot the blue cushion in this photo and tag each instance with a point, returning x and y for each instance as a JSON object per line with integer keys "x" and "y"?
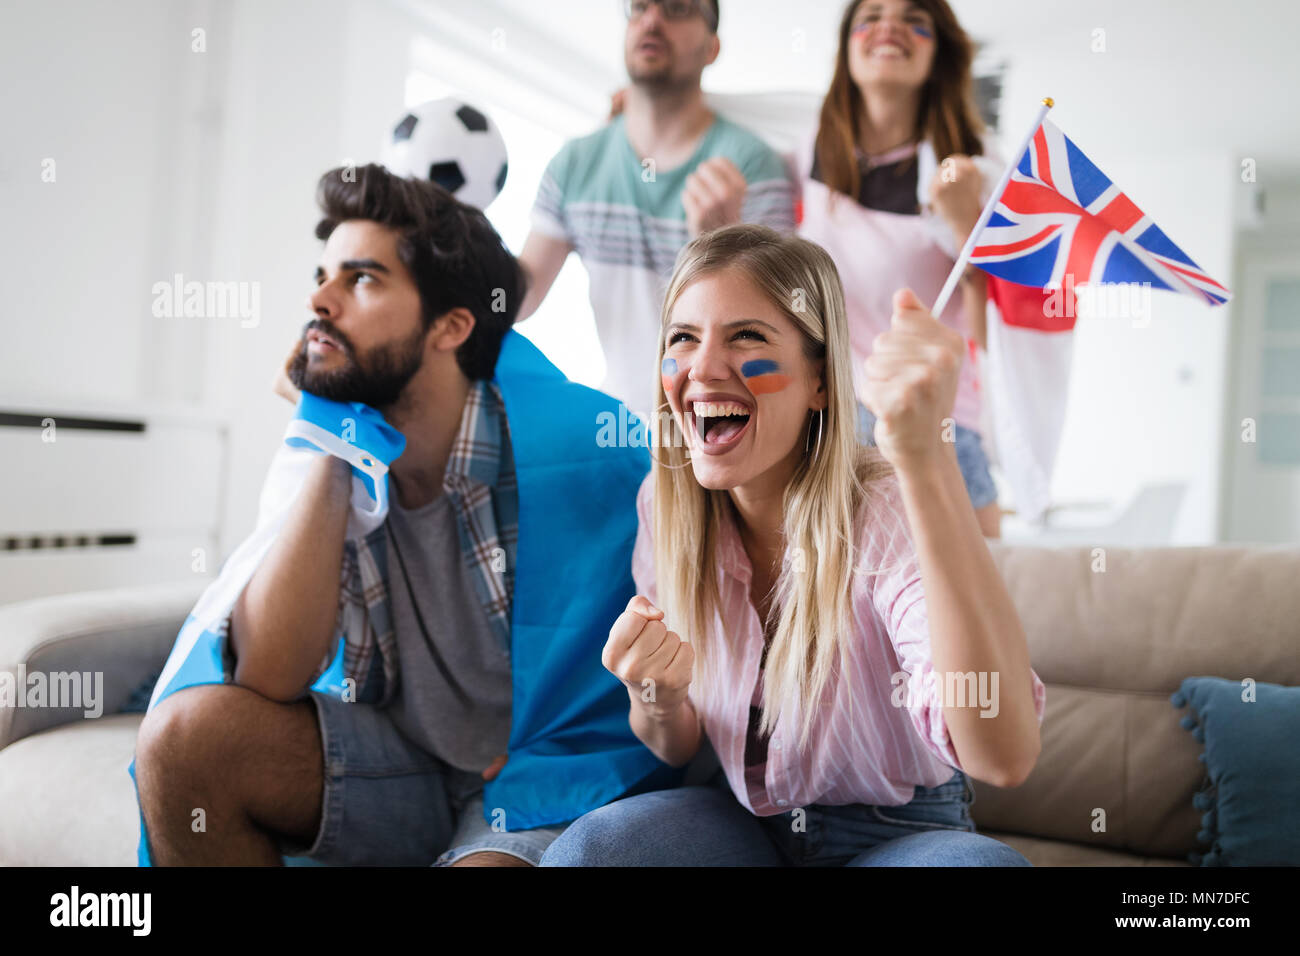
{"x": 138, "y": 701}
{"x": 1251, "y": 801}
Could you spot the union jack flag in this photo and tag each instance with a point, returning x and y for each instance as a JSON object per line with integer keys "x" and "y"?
{"x": 1060, "y": 215}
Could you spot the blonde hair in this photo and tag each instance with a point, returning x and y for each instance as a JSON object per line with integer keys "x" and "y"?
{"x": 822, "y": 502}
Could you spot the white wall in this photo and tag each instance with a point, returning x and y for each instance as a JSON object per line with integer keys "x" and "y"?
{"x": 1261, "y": 498}
{"x": 94, "y": 101}
{"x": 102, "y": 192}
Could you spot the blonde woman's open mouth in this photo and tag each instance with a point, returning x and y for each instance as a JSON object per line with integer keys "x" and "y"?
{"x": 718, "y": 426}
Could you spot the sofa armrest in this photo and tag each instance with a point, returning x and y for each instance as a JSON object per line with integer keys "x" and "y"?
{"x": 92, "y": 649}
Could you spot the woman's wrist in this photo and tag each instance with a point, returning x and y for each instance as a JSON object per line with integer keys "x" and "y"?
{"x": 656, "y": 713}
{"x": 934, "y": 495}
{"x": 929, "y": 467}
{"x": 674, "y": 737}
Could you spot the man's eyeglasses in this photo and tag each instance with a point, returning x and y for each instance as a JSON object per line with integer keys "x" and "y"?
{"x": 673, "y": 9}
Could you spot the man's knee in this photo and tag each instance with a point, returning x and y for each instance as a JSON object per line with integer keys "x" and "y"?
{"x": 191, "y": 732}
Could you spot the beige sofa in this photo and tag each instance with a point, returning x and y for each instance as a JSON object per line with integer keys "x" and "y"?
{"x": 1110, "y": 644}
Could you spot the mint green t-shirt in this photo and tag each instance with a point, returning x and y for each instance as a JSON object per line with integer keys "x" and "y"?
{"x": 625, "y": 218}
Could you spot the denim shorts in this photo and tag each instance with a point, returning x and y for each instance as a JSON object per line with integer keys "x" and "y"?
{"x": 971, "y": 459}
{"x": 389, "y": 803}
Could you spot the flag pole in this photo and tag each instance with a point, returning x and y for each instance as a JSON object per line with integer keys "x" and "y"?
{"x": 960, "y": 266}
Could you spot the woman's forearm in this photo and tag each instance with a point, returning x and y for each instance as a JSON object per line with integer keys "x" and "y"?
{"x": 974, "y": 627}
{"x": 674, "y": 739}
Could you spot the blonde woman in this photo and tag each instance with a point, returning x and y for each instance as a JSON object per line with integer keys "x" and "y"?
{"x": 810, "y": 603}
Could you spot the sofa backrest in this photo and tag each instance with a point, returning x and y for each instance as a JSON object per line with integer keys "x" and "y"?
{"x": 116, "y": 638}
{"x": 1112, "y": 633}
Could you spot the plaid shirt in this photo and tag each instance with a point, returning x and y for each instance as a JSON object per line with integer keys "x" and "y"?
{"x": 481, "y": 484}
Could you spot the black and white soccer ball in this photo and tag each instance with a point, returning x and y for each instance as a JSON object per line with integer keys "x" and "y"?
{"x": 455, "y": 145}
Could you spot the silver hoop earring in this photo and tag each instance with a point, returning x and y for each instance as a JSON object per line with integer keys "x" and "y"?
{"x": 650, "y": 445}
{"x": 818, "y": 446}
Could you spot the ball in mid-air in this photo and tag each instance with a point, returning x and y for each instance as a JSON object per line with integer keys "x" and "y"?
{"x": 455, "y": 145}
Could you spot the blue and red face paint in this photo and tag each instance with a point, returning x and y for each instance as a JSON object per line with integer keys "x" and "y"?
{"x": 924, "y": 33}
{"x": 763, "y": 376}
{"x": 668, "y": 374}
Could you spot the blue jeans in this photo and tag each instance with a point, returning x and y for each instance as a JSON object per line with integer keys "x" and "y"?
{"x": 707, "y": 826}
{"x": 971, "y": 459}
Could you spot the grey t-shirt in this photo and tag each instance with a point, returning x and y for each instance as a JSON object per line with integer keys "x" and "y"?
{"x": 453, "y": 697}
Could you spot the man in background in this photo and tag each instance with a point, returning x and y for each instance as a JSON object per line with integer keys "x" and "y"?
{"x": 630, "y": 195}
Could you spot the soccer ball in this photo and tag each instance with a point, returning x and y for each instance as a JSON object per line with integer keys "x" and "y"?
{"x": 453, "y": 144}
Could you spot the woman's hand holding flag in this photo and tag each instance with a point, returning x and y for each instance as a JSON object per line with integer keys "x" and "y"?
{"x": 912, "y": 383}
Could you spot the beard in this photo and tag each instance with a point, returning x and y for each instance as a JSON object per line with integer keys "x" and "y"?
{"x": 655, "y": 77}
{"x": 663, "y": 78}
{"x": 652, "y": 76}
{"x": 378, "y": 381}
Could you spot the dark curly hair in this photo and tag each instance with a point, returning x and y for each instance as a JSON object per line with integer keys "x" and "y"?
{"x": 455, "y": 256}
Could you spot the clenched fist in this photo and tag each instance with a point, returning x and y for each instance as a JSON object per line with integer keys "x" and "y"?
{"x": 912, "y": 383}
{"x": 653, "y": 662}
{"x": 713, "y": 195}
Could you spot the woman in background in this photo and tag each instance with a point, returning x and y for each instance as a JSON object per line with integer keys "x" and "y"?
{"x": 893, "y": 182}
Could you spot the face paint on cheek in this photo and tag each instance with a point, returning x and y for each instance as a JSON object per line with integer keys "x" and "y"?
{"x": 922, "y": 32}
{"x": 763, "y": 376}
{"x": 668, "y": 374}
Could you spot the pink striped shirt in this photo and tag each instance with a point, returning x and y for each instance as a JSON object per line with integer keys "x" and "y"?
{"x": 875, "y": 756}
